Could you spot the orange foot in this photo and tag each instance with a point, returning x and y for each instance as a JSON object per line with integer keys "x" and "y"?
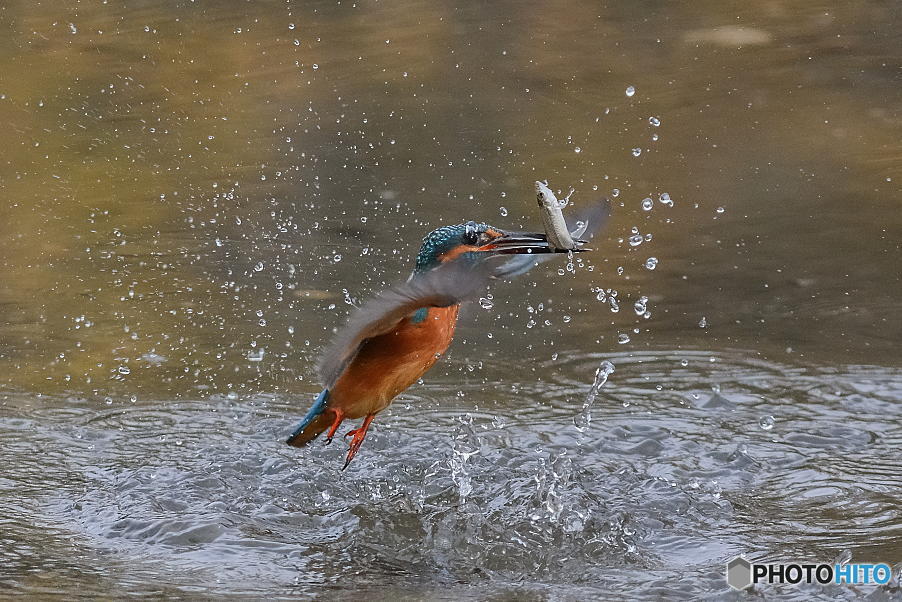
{"x": 359, "y": 435}
{"x": 339, "y": 416}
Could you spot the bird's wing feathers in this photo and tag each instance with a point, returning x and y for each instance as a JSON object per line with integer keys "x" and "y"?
{"x": 582, "y": 224}
{"x": 448, "y": 284}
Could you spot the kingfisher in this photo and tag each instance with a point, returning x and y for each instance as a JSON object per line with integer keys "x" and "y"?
{"x": 390, "y": 342}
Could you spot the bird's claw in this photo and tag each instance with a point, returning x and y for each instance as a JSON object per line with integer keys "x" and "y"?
{"x": 339, "y": 416}
{"x": 355, "y": 444}
{"x": 358, "y": 435}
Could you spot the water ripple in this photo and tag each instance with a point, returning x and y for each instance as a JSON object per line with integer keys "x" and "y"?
{"x": 474, "y": 484}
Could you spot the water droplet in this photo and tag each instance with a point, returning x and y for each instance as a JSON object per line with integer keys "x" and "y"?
{"x": 651, "y": 263}
{"x": 647, "y": 204}
{"x": 577, "y": 150}
{"x": 623, "y": 338}
{"x": 665, "y": 199}
{"x": 615, "y": 193}
{"x": 503, "y": 211}
{"x": 636, "y": 240}
{"x": 567, "y": 319}
{"x": 720, "y": 209}
{"x": 315, "y": 66}
{"x": 637, "y": 151}
{"x": 486, "y": 303}
{"x": 72, "y": 28}
{"x": 703, "y": 323}
{"x": 684, "y": 363}
{"x": 766, "y": 423}
{"x": 124, "y": 370}
{"x": 605, "y": 369}
{"x": 258, "y": 267}
{"x": 336, "y": 258}
{"x": 654, "y": 121}
{"x": 582, "y": 420}
{"x": 630, "y": 90}
{"x": 641, "y": 305}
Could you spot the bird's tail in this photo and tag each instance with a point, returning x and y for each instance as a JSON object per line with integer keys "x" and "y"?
{"x": 314, "y": 423}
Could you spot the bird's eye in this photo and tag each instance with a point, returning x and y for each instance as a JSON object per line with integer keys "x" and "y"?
{"x": 471, "y": 233}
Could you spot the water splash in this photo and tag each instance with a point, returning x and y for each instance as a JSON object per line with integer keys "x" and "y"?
{"x": 583, "y": 420}
{"x": 466, "y": 445}
{"x": 551, "y": 478}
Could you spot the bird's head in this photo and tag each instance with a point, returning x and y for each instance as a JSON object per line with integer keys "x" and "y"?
{"x": 478, "y": 240}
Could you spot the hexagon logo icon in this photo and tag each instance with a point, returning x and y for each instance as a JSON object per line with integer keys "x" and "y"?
{"x": 739, "y": 573}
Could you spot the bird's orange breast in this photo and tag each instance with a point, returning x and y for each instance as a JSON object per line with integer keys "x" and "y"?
{"x": 387, "y": 364}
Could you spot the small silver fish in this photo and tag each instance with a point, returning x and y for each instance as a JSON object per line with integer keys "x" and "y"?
{"x": 553, "y": 218}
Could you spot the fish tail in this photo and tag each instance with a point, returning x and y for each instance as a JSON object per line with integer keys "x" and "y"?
{"x": 313, "y": 423}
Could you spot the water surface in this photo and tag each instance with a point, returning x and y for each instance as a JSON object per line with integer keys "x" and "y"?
{"x": 195, "y": 196}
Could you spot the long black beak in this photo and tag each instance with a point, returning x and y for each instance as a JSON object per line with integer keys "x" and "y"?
{"x": 522, "y": 242}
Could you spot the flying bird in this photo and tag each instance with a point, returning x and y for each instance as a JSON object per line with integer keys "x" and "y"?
{"x": 391, "y": 341}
